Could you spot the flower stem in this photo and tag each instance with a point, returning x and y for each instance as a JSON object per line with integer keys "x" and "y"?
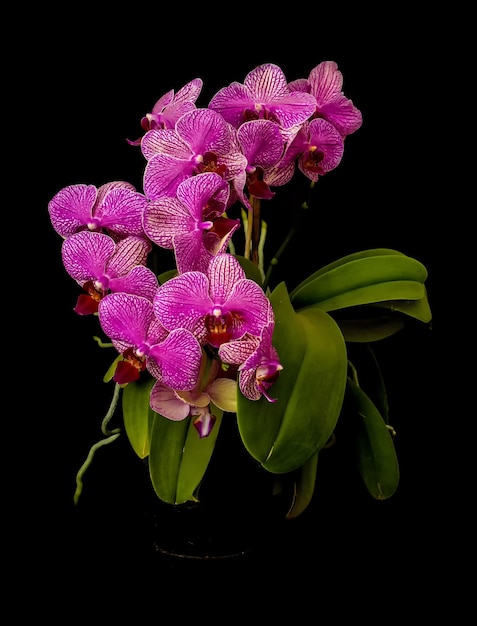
{"x": 112, "y": 435}
{"x": 252, "y": 238}
{"x": 110, "y": 413}
{"x": 256, "y": 228}
{"x": 274, "y": 261}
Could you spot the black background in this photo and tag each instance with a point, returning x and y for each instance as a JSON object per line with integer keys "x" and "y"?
{"x": 346, "y": 552}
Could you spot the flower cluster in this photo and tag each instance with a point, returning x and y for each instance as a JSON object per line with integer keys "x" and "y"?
{"x": 200, "y": 162}
{"x": 204, "y": 334}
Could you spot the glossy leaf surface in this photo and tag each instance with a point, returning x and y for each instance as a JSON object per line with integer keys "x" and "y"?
{"x": 285, "y": 434}
{"x": 377, "y": 460}
{"x": 179, "y": 458}
{"x": 355, "y": 272}
{"x": 137, "y": 415}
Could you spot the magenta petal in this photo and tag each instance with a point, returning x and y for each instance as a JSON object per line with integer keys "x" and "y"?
{"x": 190, "y": 252}
{"x": 140, "y": 281}
{"x": 121, "y": 211}
{"x": 261, "y": 142}
{"x": 183, "y": 301}
{"x": 126, "y": 318}
{"x": 249, "y": 300}
{"x": 164, "y": 141}
{"x": 237, "y": 352}
{"x": 224, "y": 272}
{"x": 196, "y": 192}
{"x": 164, "y": 173}
{"x": 165, "y": 402}
{"x": 179, "y": 357}
{"x": 130, "y": 251}
{"x": 71, "y": 208}
{"x": 164, "y": 218}
{"x": 204, "y": 130}
{"x": 231, "y": 102}
{"x": 85, "y": 255}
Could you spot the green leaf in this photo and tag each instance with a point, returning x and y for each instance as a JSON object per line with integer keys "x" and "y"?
{"x": 377, "y": 460}
{"x": 343, "y": 277}
{"x": 368, "y": 375}
{"x": 165, "y": 276}
{"x": 285, "y": 434}
{"x": 179, "y": 458}
{"x": 304, "y": 487}
{"x": 137, "y": 414}
{"x": 397, "y": 289}
{"x": 251, "y": 269}
{"x": 370, "y": 329}
{"x": 355, "y": 256}
{"x": 419, "y": 309}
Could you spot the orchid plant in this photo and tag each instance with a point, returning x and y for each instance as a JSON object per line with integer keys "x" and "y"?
{"x": 206, "y": 339}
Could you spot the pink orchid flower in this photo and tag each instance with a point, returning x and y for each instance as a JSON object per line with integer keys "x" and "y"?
{"x": 192, "y": 223}
{"x": 173, "y": 358}
{"x": 101, "y": 265}
{"x": 169, "y": 108}
{"x": 114, "y": 208}
{"x": 264, "y": 95}
{"x": 217, "y": 306}
{"x": 325, "y": 83}
{"x": 202, "y": 141}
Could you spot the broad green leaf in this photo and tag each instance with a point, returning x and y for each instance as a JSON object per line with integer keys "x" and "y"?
{"x": 304, "y": 487}
{"x": 251, "y": 269}
{"x": 179, "y": 458}
{"x": 137, "y": 415}
{"x": 356, "y": 274}
{"x": 371, "y": 294}
{"x": 368, "y": 375}
{"x": 355, "y": 256}
{"x": 419, "y": 309}
{"x": 377, "y": 460}
{"x": 285, "y": 434}
{"x": 370, "y": 329}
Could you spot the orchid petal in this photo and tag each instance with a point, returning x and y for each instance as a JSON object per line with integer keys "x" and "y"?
{"x": 164, "y": 218}
{"x": 125, "y": 317}
{"x": 223, "y": 393}
{"x": 183, "y": 301}
{"x": 164, "y": 141}
{"x": 164, "y": 173}
{"x": 71, "y": 208}
{"x": 197, "y": 192}
{"x": 204, "y": 130}
{"x": 121, "y": 211}
{"x": 140, "y": 281}
{"x": 249, "y": 300}
{"x": 164, "y": 401}
{"x": 85, "y": 255}
{"x": 129, "y": 252}
{"x": 179, "y": 357}
{"x": 224, "y": 272}
{"x": 261, "y": 142}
